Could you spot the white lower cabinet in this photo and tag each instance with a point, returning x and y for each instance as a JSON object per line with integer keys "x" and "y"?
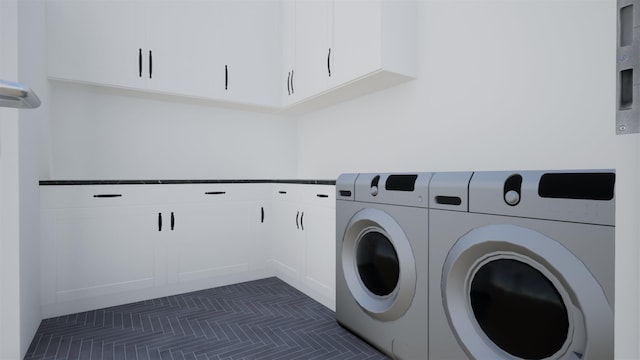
{"x": 320, "y": 241}
{"x": 108, "y": 245}
{"x": 104, "y": 245}
{"x": 303, "y": 239}
{"x": 212, "y": 236}
{"x": 287, "y": 244}
{"x": 99, "y": 251}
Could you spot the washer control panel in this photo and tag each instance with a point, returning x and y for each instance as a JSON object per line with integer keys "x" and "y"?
{"x": 409, "y": 189}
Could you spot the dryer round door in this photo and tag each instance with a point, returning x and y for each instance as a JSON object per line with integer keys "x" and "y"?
{"x": 378, "y": 264}
{"x": 511, "y": 292}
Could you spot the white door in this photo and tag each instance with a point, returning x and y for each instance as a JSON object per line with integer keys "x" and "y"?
{"x": 252, "y": 52}
{"x": 287, "y": 247}
{"x": 288, "y": 50}
{"x": 97, "y": 41}
{"x": 207, "y": 241}
{"x": 357, "y": 39}
{"x": 104, "y": 250}
{"x": 312, "y": 48}
{"x": 185, "y": 38}
{"x": 320, "y": 239}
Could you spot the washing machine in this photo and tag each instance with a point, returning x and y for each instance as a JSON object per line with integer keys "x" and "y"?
{"x": 382, "y": 233}
{"x": 521, "y": 265}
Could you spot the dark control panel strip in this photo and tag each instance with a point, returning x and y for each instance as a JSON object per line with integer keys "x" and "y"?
{"x": 585, "y": 186}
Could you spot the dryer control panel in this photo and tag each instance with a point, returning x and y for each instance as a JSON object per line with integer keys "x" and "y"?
{"x": 407, "y": 189}
{"x": 584, "y": 196}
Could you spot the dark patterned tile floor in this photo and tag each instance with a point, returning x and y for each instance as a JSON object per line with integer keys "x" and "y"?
{"x": 262, "y": 319}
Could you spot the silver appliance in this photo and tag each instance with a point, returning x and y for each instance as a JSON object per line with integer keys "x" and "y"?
{"x": 381, "y": 260}
{"x": 521, "y": 265}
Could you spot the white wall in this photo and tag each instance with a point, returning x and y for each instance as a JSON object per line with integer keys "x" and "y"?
{"x": 21, "y": 54}
{"x": 19, "y": 207}
{"x": 502, "y": 85}
{"x": 102, "y": 133}
{"x": 9, "y": 225}
{"x": 31, "y": 71}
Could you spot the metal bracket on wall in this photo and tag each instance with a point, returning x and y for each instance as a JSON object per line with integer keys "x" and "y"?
{"x": 628, "y": 67}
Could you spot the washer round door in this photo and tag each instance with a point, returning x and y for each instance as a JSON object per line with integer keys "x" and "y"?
{"x": 511, "y": 292}
{"x": 378, "y": 264}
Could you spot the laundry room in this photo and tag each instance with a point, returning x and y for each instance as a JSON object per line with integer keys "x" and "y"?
{"x": 486, "y": 86}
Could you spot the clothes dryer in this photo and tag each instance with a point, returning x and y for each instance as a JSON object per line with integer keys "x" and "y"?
{"x": 521, "y": 265}
{"x": 381, "y": 257}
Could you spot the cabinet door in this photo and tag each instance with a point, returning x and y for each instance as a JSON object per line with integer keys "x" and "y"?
{"x": 288, "y": 50}
{"x": 357, "y": 37}
{"x": 287, "y": 246}
{"x": 185, "y": 38}
{"x": 252, "y": 52}
{"x": 208, "y": 241}
{"x": 96, "y": 41}
{"x": 320, "y": 240}
{"x": 103, "y": 250}
{"x": 312, "y": 48}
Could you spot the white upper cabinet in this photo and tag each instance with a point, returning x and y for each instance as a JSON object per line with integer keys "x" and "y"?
{"x": 347, "y": 48}
{"x": 312, "y": 47}
{"x": 186, "y": 48}
{"x": 298, "y": 54}
{"x": 96, "y": 41}
{"x": 226, "y": 50}
{"x": 252, "y": 46}
{"x": 357, "y": 40}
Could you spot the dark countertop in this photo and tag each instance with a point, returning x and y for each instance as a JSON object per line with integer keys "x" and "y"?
{"x": 157, "y": 182}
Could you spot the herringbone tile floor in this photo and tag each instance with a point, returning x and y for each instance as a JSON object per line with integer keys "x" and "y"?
{"x": 262, "y": 319}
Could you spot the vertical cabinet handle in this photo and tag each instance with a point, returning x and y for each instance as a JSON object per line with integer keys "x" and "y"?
{"x": 226, "y": 77}
{"x": 139, "y": 62}
{"x": 289, "y": 83}
{"x": 150, "y": 64}
{"x": 173, "y": 221}
{"x": 297, "y": 223}
{"x": 159, "y": 221}
{"x": 329, "y": 62}
{"x": 292, "y": 91}
{"x": 262, "y": 214}
{"x": 301, "y": 222}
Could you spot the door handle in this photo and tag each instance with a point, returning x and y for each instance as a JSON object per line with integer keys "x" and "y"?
{"x": 297, "y": 216}
{"x": 150, "y": 64}
{"x": 107, "y": 195}
{"x": 173, "y": 221}
{"x": 292, "y": 91}
{"x": 226, "y": 77}
{"x": 262, "y": 214}
{"x": 329, "y": 62}
{"x": 139, "y": 62}
{"x": 159, "y": 221}
{"x": 289, "y": 83}
{"x": 301, "y": 222}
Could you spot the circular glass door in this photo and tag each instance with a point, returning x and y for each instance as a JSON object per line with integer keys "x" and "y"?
{"x": 511, "y": 292}
{"x": 378, "y": 264}
{"x": 519, "y": 309}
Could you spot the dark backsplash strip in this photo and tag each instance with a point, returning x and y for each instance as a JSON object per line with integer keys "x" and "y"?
{"x": 156, "y": 182}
